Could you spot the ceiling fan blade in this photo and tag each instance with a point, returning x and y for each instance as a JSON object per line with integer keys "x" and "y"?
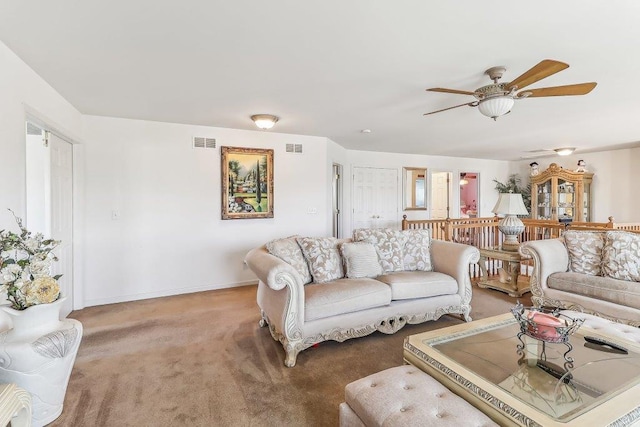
{"x": 443, "y": 90}
{"x": 470, "y": 104}
{"x": 577, "y": 89}
{"x": 544, "y": 69}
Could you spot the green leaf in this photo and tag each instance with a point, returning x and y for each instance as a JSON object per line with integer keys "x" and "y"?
{"x": 57, "y": 276}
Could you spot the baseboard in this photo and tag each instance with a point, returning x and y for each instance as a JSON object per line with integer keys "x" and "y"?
{"x": 164, "y": 293}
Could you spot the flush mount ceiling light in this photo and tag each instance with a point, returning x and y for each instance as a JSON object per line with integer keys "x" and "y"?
{"x": 264, "y": 121}
{"x": 564, "y": 151}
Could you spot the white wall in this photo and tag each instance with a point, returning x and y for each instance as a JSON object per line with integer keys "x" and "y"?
{"x": 170, "y": 238}
{"x": 615, "y": 181}
{"x": 487, "y": 170}
{"x": 21, "y": 89}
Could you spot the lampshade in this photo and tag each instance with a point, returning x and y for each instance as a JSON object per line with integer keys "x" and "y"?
{"x": 510, "y": 204}
{"x": 264, "y": 121}
{"x": 496, "y": 106}
{"x": 564, "y": 151}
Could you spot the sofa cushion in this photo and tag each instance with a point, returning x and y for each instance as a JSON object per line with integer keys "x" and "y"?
{"x": 585, "y": 251}
{"x": 360, "y": 260}
{"x": 344, "y": 296}
{"x": 388, "y": 243}
{"x": 289, "y": 251}
{"x": 621, "y": 259}
{"x": 322, "y": 257}
{"x": 604, "y": 288}
{"x": 419, "y": 284}
{"x": 417, "y": 254}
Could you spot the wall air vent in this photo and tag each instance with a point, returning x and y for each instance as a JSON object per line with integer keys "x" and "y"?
{"x": 294, "y": 148}
{"x": 201, "y": 142}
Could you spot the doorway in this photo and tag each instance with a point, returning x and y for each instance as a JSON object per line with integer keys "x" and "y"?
{"x": 336, "y": 198}
{"x": 469, "y": 200}
{"x": 49, "y": 210}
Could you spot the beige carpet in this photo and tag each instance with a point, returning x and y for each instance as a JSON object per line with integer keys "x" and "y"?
{"x": 201, "y": 360}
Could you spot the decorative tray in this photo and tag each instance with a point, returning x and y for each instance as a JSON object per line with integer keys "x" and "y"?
{"x": 545, "y": 324}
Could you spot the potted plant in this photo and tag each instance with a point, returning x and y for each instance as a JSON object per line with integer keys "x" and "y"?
{"x": 38, "y": 352}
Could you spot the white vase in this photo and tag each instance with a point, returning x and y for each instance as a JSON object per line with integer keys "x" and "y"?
{"x": 38, "y": 355}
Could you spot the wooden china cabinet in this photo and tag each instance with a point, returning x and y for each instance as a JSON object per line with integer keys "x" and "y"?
{"x": 561, "y": 194}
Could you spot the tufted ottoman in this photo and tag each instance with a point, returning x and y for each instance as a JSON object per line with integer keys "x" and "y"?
{"x": 406, "y": 396}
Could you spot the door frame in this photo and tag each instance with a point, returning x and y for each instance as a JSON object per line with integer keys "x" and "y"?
{"x": 34, "y": 116}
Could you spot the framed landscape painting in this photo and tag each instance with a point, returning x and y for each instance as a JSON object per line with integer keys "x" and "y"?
{"x": 247, "y": 183}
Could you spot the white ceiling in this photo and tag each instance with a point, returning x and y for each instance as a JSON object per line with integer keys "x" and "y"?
{"x": 334, "y": 67}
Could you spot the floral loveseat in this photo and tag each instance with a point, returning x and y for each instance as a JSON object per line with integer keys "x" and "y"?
{"x": 316, "y": 289}
{"x": 596, "y": 272}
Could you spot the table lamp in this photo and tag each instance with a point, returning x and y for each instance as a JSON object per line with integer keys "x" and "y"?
{"x": 510, "y": 205}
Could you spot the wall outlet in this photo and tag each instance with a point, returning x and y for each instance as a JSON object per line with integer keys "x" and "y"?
{"x": 115, "y": 215}
{"x": 312, "y": 210}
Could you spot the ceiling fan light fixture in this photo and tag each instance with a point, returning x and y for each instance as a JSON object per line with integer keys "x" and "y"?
{"x": 564, "y": 151}
{"x": 264, "y": 121}
{"x": 496, "y": 106}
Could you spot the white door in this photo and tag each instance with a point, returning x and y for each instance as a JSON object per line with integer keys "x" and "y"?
{"x": 440, "y": 195}
{"x": 375, "y": 198}
{"x": 62, "y": 215}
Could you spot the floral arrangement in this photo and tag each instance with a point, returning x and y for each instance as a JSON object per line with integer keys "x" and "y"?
{"x": 25, "y": 265}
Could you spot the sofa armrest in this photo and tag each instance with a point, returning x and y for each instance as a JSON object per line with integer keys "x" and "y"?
{"x": 453, "y": 259}
{"x": 549, "y": 256}
{"x": 280, "y": 296}
{"x": 271, "y": 270}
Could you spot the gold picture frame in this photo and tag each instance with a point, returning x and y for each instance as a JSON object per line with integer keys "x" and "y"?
{"x": 247, "y": 183}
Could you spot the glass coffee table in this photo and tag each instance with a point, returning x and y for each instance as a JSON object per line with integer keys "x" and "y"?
{"x": 480, "y": 362}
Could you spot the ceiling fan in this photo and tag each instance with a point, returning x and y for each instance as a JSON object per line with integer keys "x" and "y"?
{"x": 495, "y": 100}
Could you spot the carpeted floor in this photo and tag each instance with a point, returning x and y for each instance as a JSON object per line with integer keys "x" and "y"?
{"x": 201, "y": 360}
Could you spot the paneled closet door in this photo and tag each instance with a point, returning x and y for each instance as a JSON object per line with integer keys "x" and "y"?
{"x": 62, "y": 215}
{"x": 375, "y": 198}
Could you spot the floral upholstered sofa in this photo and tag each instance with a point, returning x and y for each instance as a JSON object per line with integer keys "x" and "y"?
{"x": 316, "y": 289}
{"x": 595, "y": 272}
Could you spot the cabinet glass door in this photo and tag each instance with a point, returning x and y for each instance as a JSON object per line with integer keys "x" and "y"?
{"x": 566, "y": 200}
{"x": 586, "y": 202}
{"x": 544, "y": 200}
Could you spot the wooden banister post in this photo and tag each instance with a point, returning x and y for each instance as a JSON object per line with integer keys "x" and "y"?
{"x": 448, "y": 230}
{"x": 610, "y": 223}
{"x": 404, "y": 222}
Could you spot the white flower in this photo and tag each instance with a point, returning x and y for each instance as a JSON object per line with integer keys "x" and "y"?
{"x": 32, "y": 244}
{"x": 21, "y": 283}
{"x": 42, "y": 290}
{"x": 10, "y": 273}
{"x": 39, "y": 268}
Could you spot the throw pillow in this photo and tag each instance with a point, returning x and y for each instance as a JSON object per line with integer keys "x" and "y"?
{"x": 323, "y": 258}
{"x": 389, "y": 245}
{"x": 360, "y": 260}
{"x": 621, "y": 256}
{"x": 585, "y": 251}
{"x": 289, "y": 251}
{"x": 417, "y": 254}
